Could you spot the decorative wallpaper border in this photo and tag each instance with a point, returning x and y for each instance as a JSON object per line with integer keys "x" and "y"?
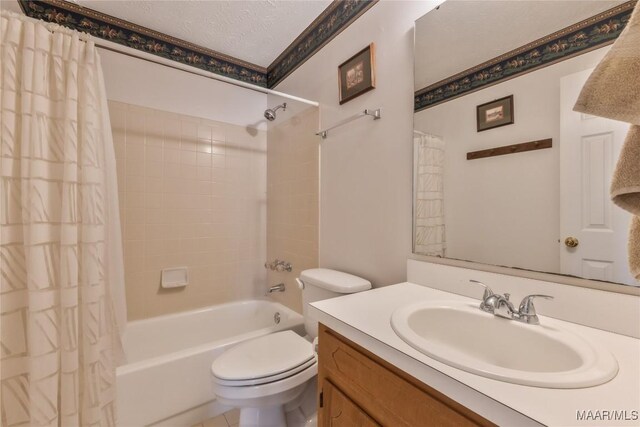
{"x": 334, "y": 19}
{"x": 141, "y": 38}
{"x": 331, "y": 22}
{"x": 597, "y": 31}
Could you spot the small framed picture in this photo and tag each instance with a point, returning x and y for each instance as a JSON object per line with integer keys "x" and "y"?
{"x": 357, "y": 74}
{"x": 495, "y": 113}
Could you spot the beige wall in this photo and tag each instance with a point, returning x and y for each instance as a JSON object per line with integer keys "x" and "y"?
{"x": 366, "y": 166}
{"x": 292, "y": 208}
{"x": 192, "y": 193}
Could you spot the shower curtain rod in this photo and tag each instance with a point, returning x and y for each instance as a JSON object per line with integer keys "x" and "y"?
{"x": 124, "y": 50}
{"x": 114, "y": 47}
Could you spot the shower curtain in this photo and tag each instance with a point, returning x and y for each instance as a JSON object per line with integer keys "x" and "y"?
{"x": 429, "y": 195}
{"x": 62, "y": 282}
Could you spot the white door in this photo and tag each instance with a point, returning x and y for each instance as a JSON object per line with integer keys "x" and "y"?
{"x": 589, "y": 149}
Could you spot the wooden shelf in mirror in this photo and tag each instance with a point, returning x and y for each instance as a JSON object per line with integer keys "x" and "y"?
{"x": 510, "y": 149}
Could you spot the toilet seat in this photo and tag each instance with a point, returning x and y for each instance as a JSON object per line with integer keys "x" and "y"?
{"x": 266, "y": 394}
{"x": 263, "y": 360}
{"x": 265, "y": 380}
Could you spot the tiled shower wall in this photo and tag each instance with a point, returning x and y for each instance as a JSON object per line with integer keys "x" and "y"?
{"x": 292, "y": 188}
{"x": 192, "y": 193}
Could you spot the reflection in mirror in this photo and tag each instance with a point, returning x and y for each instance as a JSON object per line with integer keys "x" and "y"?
{"x": 505, "y": 172}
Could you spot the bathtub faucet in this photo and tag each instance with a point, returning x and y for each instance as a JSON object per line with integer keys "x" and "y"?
{"x": 277, "y": 288}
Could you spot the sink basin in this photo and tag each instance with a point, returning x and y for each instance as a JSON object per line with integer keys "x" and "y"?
{"x": 461, "y": 335}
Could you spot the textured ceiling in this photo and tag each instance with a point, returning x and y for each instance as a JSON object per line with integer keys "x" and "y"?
{"x": 254, "y": 31}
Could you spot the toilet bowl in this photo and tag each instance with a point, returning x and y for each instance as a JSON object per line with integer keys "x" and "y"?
{"x": 266, "y": 375}
{"x": 261, "y": 376}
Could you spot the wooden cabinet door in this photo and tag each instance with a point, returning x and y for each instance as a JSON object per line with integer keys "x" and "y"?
{"x": 339, "y": 411}
{"x": 381, "y": 391}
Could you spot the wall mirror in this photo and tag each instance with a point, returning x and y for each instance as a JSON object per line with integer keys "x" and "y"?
{"x": 530, "y": 190}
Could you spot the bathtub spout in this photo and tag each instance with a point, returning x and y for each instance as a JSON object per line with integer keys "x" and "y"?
{"x": 277, "y": 288}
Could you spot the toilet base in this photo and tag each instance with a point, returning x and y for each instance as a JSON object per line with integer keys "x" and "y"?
{"x": 269, "y": 416}
{"x": 299, "y": 411}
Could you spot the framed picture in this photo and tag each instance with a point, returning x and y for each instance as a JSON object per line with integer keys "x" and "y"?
{"x": 495, "y": 113}
{"x": 357, "y": 74}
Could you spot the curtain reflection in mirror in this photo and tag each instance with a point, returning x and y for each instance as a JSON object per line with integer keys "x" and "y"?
{"x": 429, "y": 203}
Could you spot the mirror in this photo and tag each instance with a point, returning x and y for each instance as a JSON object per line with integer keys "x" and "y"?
{"x": 505, "y": 173}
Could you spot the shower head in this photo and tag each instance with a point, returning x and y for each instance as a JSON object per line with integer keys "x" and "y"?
{"x": 270, "y": 113}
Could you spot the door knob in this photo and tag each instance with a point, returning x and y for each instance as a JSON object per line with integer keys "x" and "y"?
{"x": 571, "y": 242}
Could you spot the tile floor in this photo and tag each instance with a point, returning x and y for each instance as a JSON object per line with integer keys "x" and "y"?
{"x": 228, "y": 419}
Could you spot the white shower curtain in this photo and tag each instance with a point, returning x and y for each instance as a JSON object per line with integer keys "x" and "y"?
{"x": 429, "y": 198}
{"x": 62, "y": 291}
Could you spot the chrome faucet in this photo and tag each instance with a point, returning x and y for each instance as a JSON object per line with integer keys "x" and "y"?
{"x": 277, "y": 288}
{"x": 499, "y": 305}
{"x": 527, "y": 311}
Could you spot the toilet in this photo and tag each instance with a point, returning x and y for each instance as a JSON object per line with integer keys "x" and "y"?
{"x": 266, "y": 376}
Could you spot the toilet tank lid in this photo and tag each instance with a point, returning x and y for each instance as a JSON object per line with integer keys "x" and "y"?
{"x": 335, "y": 281}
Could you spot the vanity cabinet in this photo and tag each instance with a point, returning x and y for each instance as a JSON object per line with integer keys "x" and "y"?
{"x": 357, "y": 388}
{"x": 340, "y": 411}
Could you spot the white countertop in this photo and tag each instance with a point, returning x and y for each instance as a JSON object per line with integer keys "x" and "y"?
{"x": 365, "y": 317}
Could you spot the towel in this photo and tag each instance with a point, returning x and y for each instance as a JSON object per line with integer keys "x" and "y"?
{"x": 625, "y": 185}
{"x": 634, "y": 247}
{"x": 625, "y": 192}
{"x": 612, "y": 89}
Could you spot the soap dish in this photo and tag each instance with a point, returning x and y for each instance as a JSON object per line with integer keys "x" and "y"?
{"x": 174, "y": 277}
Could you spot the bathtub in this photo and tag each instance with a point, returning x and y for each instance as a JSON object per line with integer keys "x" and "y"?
{"x": 166, "y": 378}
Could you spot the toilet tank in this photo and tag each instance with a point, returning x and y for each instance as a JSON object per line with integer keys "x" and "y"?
{"x": 322, "y": 283}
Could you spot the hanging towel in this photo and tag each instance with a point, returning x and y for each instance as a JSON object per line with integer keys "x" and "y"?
{"x": 625, "y": 192}
{"x": 634, "y": 247}
{"x": 613, "y": 89}
{"x": 625, "y": 185}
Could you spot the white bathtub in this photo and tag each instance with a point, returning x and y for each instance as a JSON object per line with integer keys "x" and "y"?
{"x": 166, "y": 379}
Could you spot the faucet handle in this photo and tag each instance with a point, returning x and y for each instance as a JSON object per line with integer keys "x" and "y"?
{"x": 526, "y": 306}
{"x": 487, "y": 290}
